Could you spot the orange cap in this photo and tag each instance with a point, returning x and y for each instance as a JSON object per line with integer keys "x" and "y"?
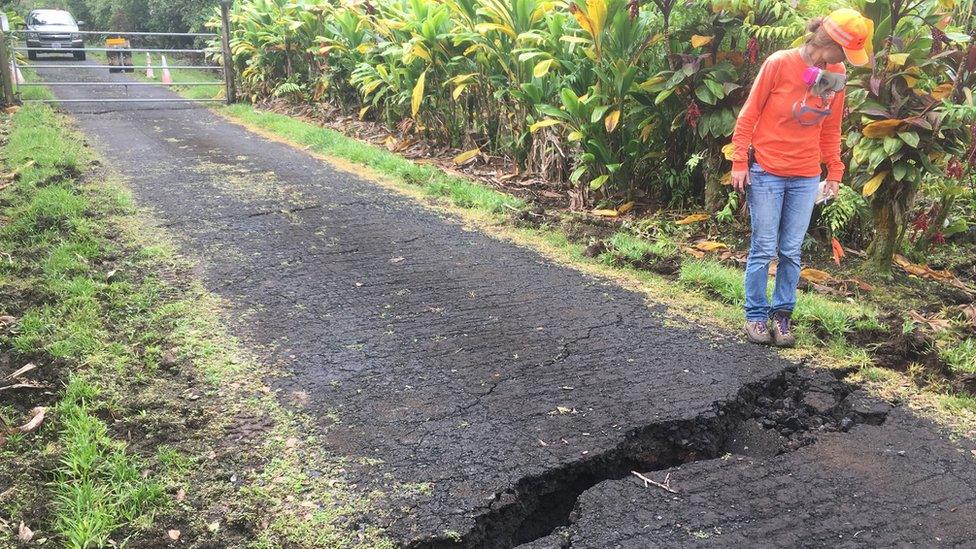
{"x": 852, "y": 31}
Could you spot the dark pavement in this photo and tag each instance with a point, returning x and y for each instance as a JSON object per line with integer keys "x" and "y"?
{"x": 482, "y": 388}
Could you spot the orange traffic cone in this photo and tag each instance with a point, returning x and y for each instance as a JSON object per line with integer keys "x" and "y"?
{"x": 167, "y": 78}
{"x": 150, "y": 74}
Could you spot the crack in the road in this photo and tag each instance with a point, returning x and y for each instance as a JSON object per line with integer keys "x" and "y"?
{"x": 538, "y": 506}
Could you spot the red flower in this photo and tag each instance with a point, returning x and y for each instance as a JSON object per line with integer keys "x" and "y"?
{"x": 752, "y": 50}
{"x": 938, "y": 238}
{"x": 921, "y": 223}
{"x": 693, "y": 114}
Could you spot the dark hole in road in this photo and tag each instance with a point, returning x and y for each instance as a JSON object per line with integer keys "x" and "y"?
{"x": 765, "y": 419}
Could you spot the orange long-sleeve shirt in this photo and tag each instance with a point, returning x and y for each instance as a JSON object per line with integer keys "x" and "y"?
{"x": 783, "y": 146}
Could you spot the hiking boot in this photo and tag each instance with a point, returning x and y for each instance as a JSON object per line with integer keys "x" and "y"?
{"x": 758, "y": 332}
{"x": 781, "y": 330}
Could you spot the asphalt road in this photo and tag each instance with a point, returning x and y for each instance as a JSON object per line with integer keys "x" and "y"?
{"x": 505, "y": 385}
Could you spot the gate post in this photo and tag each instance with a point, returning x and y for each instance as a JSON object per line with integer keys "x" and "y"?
{"x": 229, "y": 90}
{"x": 6, "y": 78}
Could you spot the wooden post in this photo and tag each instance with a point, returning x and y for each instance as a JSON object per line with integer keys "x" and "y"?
{"x": 228, "y": 59}
{"x": 6, "y": 76}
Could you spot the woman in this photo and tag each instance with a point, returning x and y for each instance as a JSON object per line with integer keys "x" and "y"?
{"x": 788, "y": 127}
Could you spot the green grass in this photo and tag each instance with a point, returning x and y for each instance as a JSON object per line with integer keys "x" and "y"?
{"x": 961, "y": 356}
{"x": 99, "y": 486}
{"x": 432, "y": 180}
{"x": 958, "y": 403}
{"x": 634, "y": 248}
{"x": 812, "y": 310}
{"x": 52, "y": 241}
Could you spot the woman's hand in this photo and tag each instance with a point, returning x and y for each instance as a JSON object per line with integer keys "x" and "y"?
{"x": 832, "y": 189}
{"x": 740, "y": 180}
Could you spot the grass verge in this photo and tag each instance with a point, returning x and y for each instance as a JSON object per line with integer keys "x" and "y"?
{"x": 157, "y": 426}
{"x": 50, "y": 243}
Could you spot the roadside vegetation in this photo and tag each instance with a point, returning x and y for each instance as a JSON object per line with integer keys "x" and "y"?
{"x": 127, "y": 415}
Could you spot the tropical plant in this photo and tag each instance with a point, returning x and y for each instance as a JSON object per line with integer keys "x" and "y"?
{"x": 905, "y": 130}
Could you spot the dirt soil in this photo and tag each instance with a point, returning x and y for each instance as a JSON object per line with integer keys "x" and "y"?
{"x": 482, "y": 389}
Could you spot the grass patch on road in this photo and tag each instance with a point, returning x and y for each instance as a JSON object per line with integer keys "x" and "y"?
{"x": 144, "y": 394}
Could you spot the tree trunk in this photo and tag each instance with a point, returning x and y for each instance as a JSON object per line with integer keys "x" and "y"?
{"x": 716, "y": 194}
{"x": 882, "y": 248}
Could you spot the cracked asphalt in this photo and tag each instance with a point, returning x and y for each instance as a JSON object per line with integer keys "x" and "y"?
{"x": 449, "y": 367}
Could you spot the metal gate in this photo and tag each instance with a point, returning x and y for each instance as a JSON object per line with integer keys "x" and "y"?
{"x": 13, "y": 75}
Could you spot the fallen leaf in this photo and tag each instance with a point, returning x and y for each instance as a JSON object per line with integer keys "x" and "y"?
{"x": 815, "y": 275}
{"x": 968, "y": 311}
{"x": 291, "y": 442}
{"x": 838, "y": 250}
{"x": 697, "y": 254}
{"x": 922, "y": 271}
{"x": 25, "y": 385}
{"x": 624, "y": 208}
{"x": 693, "y": 218}
{"x": 23, "y": 370}
{"x": 606, "y": 213}
{"x": 173, "y": 534}
{"x": 466, "y": 156}
{"x": 36, "y": 418}
{"x": 710, "y": 246}
{"x": 824, "y": 289}
{"x": 563, "y": 410}
{"x": 180, "y": 495}
{"x": 935, "y": 324}
{"x": 404, "y": 144}
{"x": 862, "y": 285}
{"x": 7, "y": 320}
{"x": 24, "y": 534}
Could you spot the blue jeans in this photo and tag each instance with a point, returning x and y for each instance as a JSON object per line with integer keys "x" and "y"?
{"x": 780, "y": 209}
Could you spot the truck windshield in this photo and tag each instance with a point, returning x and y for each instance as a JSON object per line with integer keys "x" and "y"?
{"x": 60, "y": 18}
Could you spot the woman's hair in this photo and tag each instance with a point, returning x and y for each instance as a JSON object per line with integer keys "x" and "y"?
{"x": 817, "y": 35}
